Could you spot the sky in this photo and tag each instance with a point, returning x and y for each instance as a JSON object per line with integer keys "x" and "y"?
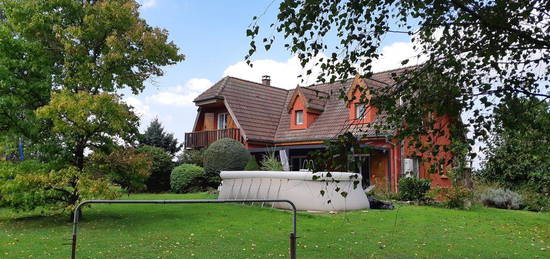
{"x": 212, "y": 36}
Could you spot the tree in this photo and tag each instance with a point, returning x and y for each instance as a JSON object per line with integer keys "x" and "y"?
{"x": 94, "y": 46}
{"x": 161, "y": 168}
{"x": 156, "y": 137}
{"x": 191, "y": 156}
{"x": 84, "y": 122}
{"x": 60, "y": 63}
{"x": 518, "y": 156}
{"x": 476, "y": 52}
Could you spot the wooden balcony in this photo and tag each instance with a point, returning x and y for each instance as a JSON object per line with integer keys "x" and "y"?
{"x": 201, "y": 139}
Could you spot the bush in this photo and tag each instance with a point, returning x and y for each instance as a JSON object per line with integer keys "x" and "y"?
{"x": 270, "y": 163}
{"x": 30, "y": 184}
{"x": 224, "y": 154}
{"x": 252, "y": 165}
{"x": 125, "y": 167}
{"x": 502, "y": 199}
{"x": 535, "y": 201}
{"x": 187, "y": 178}
{"x": 194, "y": 157}
{"x": 456, "y": 197}
{"x": 413, "y": 189}
{"x": 159, "y": 180}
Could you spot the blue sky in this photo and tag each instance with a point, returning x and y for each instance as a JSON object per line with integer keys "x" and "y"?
{"x": 212, "y": 36}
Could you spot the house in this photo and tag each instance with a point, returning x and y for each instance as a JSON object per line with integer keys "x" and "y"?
{"x": 297, "y": 121}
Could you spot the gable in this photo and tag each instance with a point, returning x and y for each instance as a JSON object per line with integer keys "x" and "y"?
{"x": 313, "y": 100}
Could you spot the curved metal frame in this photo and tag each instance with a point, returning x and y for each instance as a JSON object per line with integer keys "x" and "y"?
{"x": 78, "y": 209}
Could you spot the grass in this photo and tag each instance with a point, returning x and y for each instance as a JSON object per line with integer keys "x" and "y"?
{"x": 243, "y": 231}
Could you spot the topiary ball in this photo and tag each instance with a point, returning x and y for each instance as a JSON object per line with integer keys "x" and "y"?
{"x": 185, "y": 178}
{"x": 224, "y": 155}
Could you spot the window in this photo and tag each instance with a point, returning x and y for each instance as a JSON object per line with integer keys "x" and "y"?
{"x": 360, "y": 112}
{"x": 222, "y": 120}
{"x": 411, "y": 167}
{"x": 299, "y": 117}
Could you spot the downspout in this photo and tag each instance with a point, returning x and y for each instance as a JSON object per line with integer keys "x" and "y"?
{"x": 390, "y": 160}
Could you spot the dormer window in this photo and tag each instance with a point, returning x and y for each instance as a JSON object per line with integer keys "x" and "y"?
{"x": 299, "y": 117}
{"x": 360, "y": 112}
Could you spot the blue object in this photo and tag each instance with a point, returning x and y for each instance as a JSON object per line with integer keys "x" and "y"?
{"x": 20, "y": 148}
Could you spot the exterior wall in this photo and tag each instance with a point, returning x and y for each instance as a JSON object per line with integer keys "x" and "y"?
{"x": 370, "y": 113}
{"x": 208, "y": 119}
{"x": 440, "y": 178}
{"x": 309, "y": 117}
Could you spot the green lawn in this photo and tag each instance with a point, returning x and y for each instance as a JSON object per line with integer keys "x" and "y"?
{"x": 237, "y": 231}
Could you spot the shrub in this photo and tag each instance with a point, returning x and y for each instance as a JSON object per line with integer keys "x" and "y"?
{"x": 125, "y": 167}
{"x": 270, "y": 163}
{"x": 30, "y": 184}
{"x": 455, "y": 197}
{"x": 224, "y": 154}
{"x": 194, "y": 157}
{"x": 413, "y": 189}
{"x": 162, "y": 166}
{"x": 502, "y": 199}
{"x": 535, "y": 201}
{"x": 186, "y": 178}
{"x": 252, "y": 165}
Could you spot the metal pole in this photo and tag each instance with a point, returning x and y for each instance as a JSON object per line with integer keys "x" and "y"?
{"x": 292, "y": 246}
{"x": 79, "y": 206}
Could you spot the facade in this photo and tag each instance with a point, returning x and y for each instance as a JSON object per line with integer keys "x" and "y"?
{"x": 295, "y": 122}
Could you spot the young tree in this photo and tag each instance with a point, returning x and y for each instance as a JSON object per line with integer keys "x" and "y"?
{"x": 476, "y": 52}
{"x": 84, "y": 122}
{"x": 156, "y": 137}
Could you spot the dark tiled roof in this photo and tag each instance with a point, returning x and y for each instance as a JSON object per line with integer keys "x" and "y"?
{"x": 315, "y": 99}
{"x": 213, "y": 91}
{"x": 331, "y": 123}
{"x": 261, "y": 110}
{"x": 257, "y": 107}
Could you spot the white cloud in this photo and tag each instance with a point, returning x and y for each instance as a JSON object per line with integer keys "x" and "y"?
{"x": 140, "y": 108}
{"x": 148, "y": 3}
{"x": 283, "y": 74}
{"x": 171, "y": 98}
{"x": 196, "y": 85}
{"x": 181, "y": 95}
{"x": 393, "y": 54}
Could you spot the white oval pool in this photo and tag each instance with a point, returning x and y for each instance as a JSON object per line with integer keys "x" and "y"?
{"x": 298, "y": 187}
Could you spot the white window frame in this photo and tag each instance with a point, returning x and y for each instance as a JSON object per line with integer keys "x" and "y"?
{"x": 360, "y": 115}
{"x": 299, "y": 117}
{"x": 222, "y": 120}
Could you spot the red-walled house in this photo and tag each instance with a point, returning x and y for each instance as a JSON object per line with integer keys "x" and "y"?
{"x": 297, "y": 121}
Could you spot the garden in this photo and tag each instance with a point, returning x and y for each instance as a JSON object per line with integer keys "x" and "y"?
{"x": 422, "y": 227}
{"x": 250, "y": 231}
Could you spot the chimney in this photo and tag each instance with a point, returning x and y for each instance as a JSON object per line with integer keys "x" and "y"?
{"x": 266, "y": 80}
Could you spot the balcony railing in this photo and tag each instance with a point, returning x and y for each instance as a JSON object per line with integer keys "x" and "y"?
{"x": 200, "y": 139}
